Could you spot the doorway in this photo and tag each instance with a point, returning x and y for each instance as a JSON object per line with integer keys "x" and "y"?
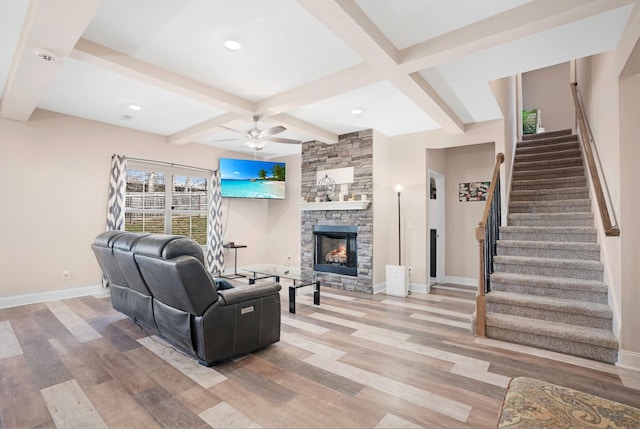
{"x": 436, "y": 219}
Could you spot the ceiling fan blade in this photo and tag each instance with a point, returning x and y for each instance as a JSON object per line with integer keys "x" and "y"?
{"x": 273, "y": 130}
{"x": 281, "y": 140}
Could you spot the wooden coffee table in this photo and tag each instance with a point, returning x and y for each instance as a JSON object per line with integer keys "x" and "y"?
{"x": 301, "y": 278}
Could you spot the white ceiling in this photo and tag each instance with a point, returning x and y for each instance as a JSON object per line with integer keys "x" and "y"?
{"x": 410, "y": 65}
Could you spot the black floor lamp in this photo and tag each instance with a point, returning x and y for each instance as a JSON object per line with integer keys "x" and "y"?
{"x": 398, "y": 189}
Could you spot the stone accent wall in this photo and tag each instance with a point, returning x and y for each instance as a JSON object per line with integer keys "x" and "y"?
{"x": 352, "y": 150}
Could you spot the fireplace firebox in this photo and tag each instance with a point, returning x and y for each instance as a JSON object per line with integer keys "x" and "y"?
{"x": 336, "y": 249}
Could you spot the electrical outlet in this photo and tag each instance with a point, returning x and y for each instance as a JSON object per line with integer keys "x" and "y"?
{"x": 66, "y": 275}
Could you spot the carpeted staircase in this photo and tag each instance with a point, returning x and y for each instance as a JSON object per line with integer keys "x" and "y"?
{"x": 547, "y": 290}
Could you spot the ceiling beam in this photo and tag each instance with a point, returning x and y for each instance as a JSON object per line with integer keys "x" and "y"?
{"x": 49, "y": 30}
{"x": 298, "y": 125}
{"x": 517, "y": 23}
{"x": 202, "y": 130}
{"x": 134, "y": 68}
{"x": 354, "y": 27}
{"x": 345, "y": 80}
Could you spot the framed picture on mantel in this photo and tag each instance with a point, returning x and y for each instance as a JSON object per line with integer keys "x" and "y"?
{"x": 473, "y": 191}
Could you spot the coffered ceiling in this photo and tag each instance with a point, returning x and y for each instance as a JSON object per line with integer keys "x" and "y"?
{"x": 408, "y": 65}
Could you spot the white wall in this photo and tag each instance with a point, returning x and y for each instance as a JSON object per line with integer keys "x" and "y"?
{"x": 383, "y": 216}
{"x": 630, "y": 213}
{"x": 408, "y": 160}
{"x": 283, "y": 226}
{"x": 473, "y": 163}
{"x": 612, "y": 110}
{"x": 629, "y": 92}
{"x": 54, "y": 171}
{"x": 505, "y": 91}
{"x": 548, "y": 89}
{"x": 598, "y": 86}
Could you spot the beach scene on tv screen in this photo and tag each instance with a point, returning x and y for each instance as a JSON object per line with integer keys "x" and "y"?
{"x": 243, "y": 178}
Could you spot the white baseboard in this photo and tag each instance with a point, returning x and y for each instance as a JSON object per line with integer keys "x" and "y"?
{"x": 34, "y": 298}
{"x": 380, "y": 287}
{"x": 415, "y": 287}
{"x": 465, "y": 281}
{"x": 628, "y": 359}
{"x": 420, "y": 288}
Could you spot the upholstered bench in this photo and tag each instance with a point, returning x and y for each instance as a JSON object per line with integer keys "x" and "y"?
{"x": 531, "y": 403}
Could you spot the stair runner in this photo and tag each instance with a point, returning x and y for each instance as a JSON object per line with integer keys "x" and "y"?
{"x": 547, "y": 290}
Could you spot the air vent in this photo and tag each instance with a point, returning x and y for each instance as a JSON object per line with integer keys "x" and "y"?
{"x": 47, "y": 56}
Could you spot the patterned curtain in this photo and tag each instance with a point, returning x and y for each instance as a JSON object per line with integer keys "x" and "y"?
{"x": 215, "y": 252}
{"x": 117, "y": 188}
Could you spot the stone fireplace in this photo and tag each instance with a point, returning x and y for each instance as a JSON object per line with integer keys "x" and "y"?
{"x": 352, "y": 150}
{"x": 336, "y": 249}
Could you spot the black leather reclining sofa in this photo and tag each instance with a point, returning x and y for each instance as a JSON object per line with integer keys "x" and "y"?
{"x": 160, "y": 281}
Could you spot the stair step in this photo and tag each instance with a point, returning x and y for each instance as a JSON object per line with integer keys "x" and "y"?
{"x": 576, "y": 289}
{"x": 550, "y": 219}
{"x": 579, "y": 234}
{"x": 548, "y": 134}
{"x": 549, "y": 147}
{"x": 549, "y": 249}
{"x": 549, "y": 184}
{"x": 568, "y": 268}
{"x": 551, "y": 309}
{"x": 551, "y": 173}
{"x": 590, "y": 343}
{"x": 547, "y": 164}
{"x": 549, "y": 154}
{"x": 548, "y": 195}
{"x": 547, "y": 287}
{"x": 571, "y": 206}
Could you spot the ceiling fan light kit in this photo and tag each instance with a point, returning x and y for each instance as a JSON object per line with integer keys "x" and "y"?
{"x": 256, "y": 143}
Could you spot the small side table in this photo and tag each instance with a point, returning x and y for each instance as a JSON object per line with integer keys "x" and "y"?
{"x": 235, "y": 248}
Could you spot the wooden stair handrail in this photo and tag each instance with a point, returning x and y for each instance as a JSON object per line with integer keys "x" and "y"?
{"x": 609, "y": 229}
{"x": 492, "y": 188}
{"x": 481, "y": 313}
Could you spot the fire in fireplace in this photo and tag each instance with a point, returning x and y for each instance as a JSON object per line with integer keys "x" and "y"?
{"x": 336, "y": 249}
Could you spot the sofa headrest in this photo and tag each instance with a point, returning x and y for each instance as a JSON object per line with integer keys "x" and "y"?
{"x": 107, "y": 238}
{"x": 168, "y": 247}
{"x": 127, "y": 240}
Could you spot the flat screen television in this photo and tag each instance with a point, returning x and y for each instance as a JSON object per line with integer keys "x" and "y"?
{"x": 246, "y": 178}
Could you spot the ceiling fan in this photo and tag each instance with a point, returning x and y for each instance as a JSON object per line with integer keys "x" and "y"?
{"x": 257, "y": 139}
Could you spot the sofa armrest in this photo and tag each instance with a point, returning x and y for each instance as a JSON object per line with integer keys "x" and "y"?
{"x": 245, "y": 293}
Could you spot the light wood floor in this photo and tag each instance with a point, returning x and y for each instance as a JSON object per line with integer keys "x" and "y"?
{"x": 355, "y": 361}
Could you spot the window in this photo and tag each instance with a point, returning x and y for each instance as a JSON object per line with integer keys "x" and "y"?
{"x": 166, "y": 200}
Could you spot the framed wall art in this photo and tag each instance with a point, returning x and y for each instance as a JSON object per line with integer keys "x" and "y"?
{"x": 473, "y": 191}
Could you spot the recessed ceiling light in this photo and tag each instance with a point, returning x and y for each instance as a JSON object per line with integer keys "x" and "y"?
{"x": 357, "y": 111}
{"x": 232, "y": 45}
{"x": 134, "y": 107}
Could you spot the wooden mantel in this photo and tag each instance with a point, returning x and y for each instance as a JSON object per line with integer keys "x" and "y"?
{"x": 334, "y": 205}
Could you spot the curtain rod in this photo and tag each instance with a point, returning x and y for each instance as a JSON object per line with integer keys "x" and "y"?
{"x": 169, "y": 164}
